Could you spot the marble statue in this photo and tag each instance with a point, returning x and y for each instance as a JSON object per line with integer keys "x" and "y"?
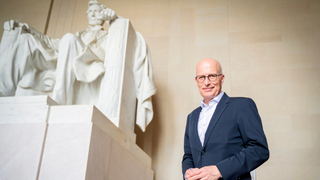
{"x": 79, "y": 68}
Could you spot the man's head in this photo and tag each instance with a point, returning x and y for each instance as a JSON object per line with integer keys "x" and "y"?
{"x": 94, "y": 11}
{"x": 209, "y": 79}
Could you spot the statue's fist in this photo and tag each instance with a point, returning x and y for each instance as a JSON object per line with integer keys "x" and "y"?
{"x": 10, "y": 25}
{"x": 108, "y": 14}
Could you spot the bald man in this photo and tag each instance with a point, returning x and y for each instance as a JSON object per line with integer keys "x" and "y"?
{"x": 224, "y": 138}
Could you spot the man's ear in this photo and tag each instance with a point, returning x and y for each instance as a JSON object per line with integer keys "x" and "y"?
{"x": 222, "y": 79}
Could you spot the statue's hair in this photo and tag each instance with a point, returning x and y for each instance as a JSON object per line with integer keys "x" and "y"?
{"x": 94, "y": 2}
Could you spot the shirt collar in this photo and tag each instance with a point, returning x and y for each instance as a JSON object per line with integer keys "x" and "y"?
{"x": 213, "y": 101}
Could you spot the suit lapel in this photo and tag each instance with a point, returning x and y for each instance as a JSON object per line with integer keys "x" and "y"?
{"x": 216, "y": 116}
{"x": 195, "y": 120}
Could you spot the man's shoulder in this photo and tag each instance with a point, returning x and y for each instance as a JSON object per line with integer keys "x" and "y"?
{"x": 241, "y": 100}
{"x": 196, "y": 110}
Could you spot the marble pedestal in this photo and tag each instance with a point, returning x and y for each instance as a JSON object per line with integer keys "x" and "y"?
{"x": 42, "y": 140}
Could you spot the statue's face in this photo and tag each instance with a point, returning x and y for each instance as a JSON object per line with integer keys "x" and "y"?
{"x": 94, "y": 16}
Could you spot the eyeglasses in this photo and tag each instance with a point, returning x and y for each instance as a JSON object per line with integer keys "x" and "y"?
{"x": 211, "y": 77}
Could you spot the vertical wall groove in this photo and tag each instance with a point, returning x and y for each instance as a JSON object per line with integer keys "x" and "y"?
{"x": 48, "y": 17}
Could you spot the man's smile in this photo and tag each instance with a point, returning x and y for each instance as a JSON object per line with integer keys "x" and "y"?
{"x": 208, "y": 88}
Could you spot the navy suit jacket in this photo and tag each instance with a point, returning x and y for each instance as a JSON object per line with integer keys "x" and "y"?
{"x": 234, "y": 141}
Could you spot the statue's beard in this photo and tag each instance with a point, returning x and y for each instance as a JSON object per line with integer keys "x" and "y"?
{"x": 96, "y": 22}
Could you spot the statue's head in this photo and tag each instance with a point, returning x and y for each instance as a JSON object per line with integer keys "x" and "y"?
{"x": 94, "y": 10}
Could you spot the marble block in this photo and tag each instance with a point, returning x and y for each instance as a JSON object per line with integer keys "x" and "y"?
{"x": 43, "y": 141}
{"x": 22, "y": 134}
{"x": 27, "y": 100}
{"x": 20, "y": 150}
{"x": 90, "y": 114}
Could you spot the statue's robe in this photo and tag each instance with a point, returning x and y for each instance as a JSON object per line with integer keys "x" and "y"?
{"x": 79, "y": 70}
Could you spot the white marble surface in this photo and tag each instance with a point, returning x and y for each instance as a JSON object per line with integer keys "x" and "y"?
{"x": 66, "y": 151}
{"x": 83, "y": 113}
{"x": 122, "y": 160}
{"x": 66, "y": 142}
{"x": 127, "y": 110}
{"x": 88, "y": 114}
{"x": 82, "y": 136}
{"x": 22, "y": 134}
{"x": 99, "y": 155}
{"x": 34, "y": 100}
{"x": 24, "y": 113}
{"x": 20, "y": 149}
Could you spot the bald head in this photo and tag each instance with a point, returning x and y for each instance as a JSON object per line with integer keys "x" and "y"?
{"x": 209, "y": 63}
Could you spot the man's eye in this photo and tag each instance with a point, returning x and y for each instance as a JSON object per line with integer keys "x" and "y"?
{"x": 201, "y": 77}
{"x": 212, "y": 75}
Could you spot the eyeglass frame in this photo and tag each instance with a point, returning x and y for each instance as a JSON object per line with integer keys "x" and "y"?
{"x": 207, "y": 77}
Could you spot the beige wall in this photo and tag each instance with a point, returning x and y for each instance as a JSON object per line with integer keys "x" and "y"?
{"x": 33, "y": 12}
{"x": 269, "y": 50}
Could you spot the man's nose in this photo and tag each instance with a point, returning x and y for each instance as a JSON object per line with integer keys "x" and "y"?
{"x": 207, "y": 81}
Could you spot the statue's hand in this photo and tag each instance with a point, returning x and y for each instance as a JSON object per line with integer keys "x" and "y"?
{"x": 12, "y": 24}
{"x": 108, "y": 14}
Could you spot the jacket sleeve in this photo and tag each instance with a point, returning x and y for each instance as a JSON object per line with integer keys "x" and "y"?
{"x": 255, "y": 151}
{"x": 187, "y": 161}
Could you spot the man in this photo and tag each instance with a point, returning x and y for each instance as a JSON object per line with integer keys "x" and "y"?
{"x": 87, "y": 68}
{"x": 224, "y": 138}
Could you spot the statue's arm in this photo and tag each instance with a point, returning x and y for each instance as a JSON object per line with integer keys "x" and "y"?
{"x": 12, "y": 24}
{"x": 51, "y": 43}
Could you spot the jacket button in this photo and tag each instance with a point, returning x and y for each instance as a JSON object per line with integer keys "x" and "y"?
{"x": 202, "y": 152}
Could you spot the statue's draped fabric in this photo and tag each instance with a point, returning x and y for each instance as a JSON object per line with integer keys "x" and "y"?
{"x": 77, "y": 65}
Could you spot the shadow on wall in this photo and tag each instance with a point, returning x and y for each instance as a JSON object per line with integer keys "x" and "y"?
{"x": 148, "y": 141}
